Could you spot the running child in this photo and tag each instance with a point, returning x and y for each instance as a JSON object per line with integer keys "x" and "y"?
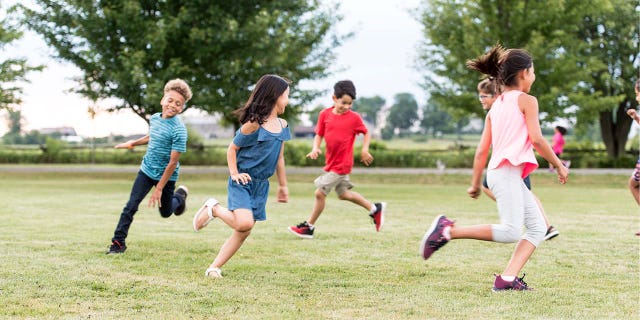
{"x": 167, "y": 140}
{"x": 339, "y": 126}
{"x": 634, "y": 180}
{"x": 512, "y": 131}
{"x": 557, "y": 144}
{"x": 257, "y": 150}
{"x": 488, "y": 92}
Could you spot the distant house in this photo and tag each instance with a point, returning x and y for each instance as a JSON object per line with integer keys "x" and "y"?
{"x": 208, "y": 127}
{"x": 67, "y": 134}
{"x": 304, "y": 131}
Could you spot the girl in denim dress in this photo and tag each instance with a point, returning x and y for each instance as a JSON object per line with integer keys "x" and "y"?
{"x": 256, "y": 152}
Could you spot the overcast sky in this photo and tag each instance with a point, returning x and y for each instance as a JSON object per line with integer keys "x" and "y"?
{"x": 380, "y": 60}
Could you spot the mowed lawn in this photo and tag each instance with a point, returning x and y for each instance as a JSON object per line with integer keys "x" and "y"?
{"x": 55, "y": 228}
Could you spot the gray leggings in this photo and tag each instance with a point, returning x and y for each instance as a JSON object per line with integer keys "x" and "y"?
{"x": 516, "y": 207}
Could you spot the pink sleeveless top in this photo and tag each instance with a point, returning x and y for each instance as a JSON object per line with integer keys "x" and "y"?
{"x": 509, "y": 135}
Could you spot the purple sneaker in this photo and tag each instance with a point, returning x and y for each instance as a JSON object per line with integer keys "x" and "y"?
{"x": 433, "y": 238}
{"x": 517, "y": 284}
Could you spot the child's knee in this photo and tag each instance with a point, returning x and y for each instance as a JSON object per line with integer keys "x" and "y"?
{"x": 244, "y": 226}
{"x": 344, "y": 195}
{"x": 165, "y": 213}
{"x": 510, "y": 234}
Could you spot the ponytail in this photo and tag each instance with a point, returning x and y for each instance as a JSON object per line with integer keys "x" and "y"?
{"x": 489, "y": 63}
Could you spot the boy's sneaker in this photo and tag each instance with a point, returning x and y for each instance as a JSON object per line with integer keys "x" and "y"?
{"x": 378, "y": 216}
{"x": 434, "y": 239}
{"x": 302, "y": 230}
{"x": 182, "y": 192}
{"x": 517, "y": 284}
{"x": 551, "y": 233}
{"x": 116, "y": 247}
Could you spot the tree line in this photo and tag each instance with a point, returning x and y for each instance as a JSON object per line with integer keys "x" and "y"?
{"x": 586, "y": 53}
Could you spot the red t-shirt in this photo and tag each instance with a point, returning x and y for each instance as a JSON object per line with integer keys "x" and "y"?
{"x": 339, "y": 132}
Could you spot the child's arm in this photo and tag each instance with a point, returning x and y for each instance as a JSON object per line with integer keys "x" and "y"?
{"x": 634, "y": 115}
{"x": 168, "y": 172}
{"x": 232, "y": 163}
{"x": 365, "y": 156}
{"x": 283, "y": 190}
{"x": 480, "y": 159}
{"x": 132, "y": 143}
{"x": 232, "y": 155}
{"x": 315, "y": 150}
{"x": 529, "y": 106}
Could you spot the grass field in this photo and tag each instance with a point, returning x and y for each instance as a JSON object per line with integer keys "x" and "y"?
{"x": 56, "y": 227}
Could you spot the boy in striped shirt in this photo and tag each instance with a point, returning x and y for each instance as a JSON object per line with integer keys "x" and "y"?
{"x": 167, "y": 139}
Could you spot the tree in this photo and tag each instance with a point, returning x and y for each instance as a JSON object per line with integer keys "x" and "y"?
{"x": 14, "y": 123}
{"x": 12, "y": 70}
{"x": 314, "y": 114}
{"x": 553, "y": 31}
{"x": 611, "y": 54}
{"x": 403, "y": 114}
{"x": 369, "y": 107}
{"x": 128, "y": 49}
{"x": 435, "y": 120}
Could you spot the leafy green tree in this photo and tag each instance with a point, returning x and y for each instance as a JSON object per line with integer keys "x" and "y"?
{"x": 570, "y": 60}
{"x": 128, "y": 49}
{"x": 403, "y": 114}
{"x": 611, "y": 57}
{"x": 369, "y": 107}
{"x": 314, "y": 114}
{"x": 435, "y": 120}
{"x": 12, "y": 70}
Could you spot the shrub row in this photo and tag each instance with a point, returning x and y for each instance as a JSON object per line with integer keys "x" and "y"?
{"x": 295, "y": 155}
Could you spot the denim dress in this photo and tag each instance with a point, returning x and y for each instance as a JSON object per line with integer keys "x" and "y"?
{"x": 257, "y": 156}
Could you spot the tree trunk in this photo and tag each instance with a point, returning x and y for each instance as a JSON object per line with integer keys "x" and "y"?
{"x": 614, "y": 127}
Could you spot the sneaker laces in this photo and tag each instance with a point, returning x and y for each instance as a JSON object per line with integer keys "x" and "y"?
{"x": 519, "y": 283}
{"x": 438, "y": 243}
{"x": 303, "y": 225}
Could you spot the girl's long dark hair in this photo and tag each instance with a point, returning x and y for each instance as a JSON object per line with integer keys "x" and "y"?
{"x": 502, "y": 64}
{"x": 262, "y": 99}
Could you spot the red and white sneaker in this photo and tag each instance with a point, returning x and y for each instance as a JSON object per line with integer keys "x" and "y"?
{"x": 302, "y": 230}
{"x": 378, "y": 216}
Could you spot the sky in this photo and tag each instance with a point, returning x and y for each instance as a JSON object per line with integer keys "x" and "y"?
{"x": 379, "y": 59}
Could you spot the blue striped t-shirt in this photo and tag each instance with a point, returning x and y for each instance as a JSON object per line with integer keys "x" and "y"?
{"x": 165, "y": 135}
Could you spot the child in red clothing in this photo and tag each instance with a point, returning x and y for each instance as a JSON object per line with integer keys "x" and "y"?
{"x": 339, "y": 126}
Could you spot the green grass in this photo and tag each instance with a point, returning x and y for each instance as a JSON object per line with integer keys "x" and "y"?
{"x": 55, "y": 228}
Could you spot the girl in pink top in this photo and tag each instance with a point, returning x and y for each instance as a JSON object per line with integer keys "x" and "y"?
{"x": 512, "y": 130}
{"x": 557, "y": 144}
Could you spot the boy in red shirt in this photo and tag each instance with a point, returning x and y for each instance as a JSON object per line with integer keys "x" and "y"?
{"x": 338, "y": 125}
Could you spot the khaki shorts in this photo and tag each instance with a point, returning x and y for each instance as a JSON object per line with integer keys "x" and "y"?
{"x": 331, "y": 180}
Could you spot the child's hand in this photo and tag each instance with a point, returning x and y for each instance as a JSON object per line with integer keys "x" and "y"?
{"x": 634, "y": 115}
{"x": 243, "y": 178}
{"x": 155, "y": 198}
{"x": 474, "y": 192}
{"x": 314, "y": 153}
{"x": 366, "y": 158}
{"x": 125, "y": 145}
{"x": 563, "y": 174}
{"x": 283, "y": 194}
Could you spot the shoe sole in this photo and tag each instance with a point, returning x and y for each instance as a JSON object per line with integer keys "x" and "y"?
{"x": 433, "y": 227}
{"x": 304, "y": 236}
{"x": 383, "y": 208}
{"x": 551, "y": 235}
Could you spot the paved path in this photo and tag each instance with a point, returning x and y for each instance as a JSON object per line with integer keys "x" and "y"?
{"x": 290, "y": 170}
